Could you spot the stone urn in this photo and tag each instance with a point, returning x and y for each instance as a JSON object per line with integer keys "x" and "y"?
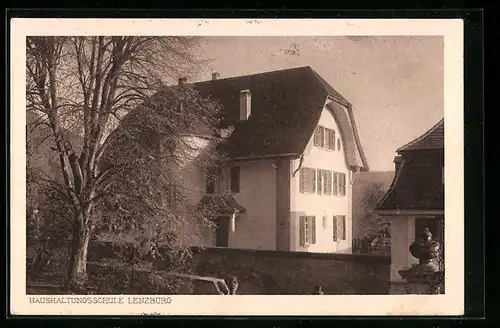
{"x": 424, "y": 277}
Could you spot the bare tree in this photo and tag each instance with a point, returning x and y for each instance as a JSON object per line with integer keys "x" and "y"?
{"x": 371, "y": 222}
{"x": 111, "y": 92}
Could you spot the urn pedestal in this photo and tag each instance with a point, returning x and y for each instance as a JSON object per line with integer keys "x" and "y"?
{"x": 424, "y": 277}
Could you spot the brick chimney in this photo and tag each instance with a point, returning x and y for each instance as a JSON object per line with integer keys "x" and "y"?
{"x": 397, "y": 163}
{"x": 245, "y": 104}
{"x": 215, "y": 75}
{"x": 182, "y": 80}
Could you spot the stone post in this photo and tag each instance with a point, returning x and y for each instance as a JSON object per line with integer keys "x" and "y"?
{"x": 425, "y": 277}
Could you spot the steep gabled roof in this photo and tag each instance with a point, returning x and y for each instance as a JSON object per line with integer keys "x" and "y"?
{"x": 432, "y": 139}
{"x": 418, "y": 184}
{"x": 286, "y": 108}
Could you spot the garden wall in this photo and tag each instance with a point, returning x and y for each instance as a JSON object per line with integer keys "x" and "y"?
{"x": 259, "y": 272}
{"x": 282, "y": 272}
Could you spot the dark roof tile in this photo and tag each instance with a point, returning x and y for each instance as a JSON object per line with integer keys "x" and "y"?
{"x": 432, "y": 139}
{"x": 417, "y": 185}
{"x": 286, "y": 107}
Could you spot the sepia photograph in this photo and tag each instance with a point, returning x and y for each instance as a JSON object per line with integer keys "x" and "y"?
{"x": 159, "y": 166}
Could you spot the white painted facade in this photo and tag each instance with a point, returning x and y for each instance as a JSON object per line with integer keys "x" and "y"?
{"x": 322, "y": 205}
{"x": 402, "y": 235}
{"x": 256, "y": 229}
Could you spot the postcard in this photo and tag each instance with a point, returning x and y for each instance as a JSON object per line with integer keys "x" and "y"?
{"x": 237, "y": 167}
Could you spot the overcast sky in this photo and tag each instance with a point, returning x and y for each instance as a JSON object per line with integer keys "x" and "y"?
{"x": 394, "y": 83}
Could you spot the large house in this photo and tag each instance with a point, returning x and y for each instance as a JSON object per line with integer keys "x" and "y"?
{"x": 293, "y": 149}
{"x": 416, "y": 197}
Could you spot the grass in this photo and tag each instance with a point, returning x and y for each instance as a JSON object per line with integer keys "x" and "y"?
{"x": 46, "y": 290}
{"x": 110, "y": 278}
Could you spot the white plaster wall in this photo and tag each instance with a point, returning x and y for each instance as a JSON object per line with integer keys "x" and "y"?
{"x": 402, "y": 235}
{"x": 256, "y": 229}
{"x": 323, "y": 205}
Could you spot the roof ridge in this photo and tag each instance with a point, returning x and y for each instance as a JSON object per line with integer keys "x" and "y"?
{"x": 327, "y": 85}
{"x": 253, "y": 74}
{"x": 421, "y": 137}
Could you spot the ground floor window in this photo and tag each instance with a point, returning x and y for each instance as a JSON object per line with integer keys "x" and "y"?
{"x": 341, "y": 227}
{"x": 307, "y": 230}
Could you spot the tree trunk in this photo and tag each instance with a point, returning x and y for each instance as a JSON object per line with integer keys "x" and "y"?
{"x": 77, "y": 266}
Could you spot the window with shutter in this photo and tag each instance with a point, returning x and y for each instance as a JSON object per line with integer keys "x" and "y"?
{"x": 334, "y": 229}
{"x": 313, "y": 229}
{"x": 307, "y": 230}
{"x": 317, "y": 137}
{"x": 328, "y": 182}
{"x": 327, "y": 138}
{"x": 332, "y": 142}
{"x": 342, "y": 183}
{"x": 341, "y": 227}
{"x": 307, "y": 180}
{"x": 330, "y": 139}
{"x": 320, "y": 181}
{"x": 335, "y": 183}
{"x": 302, "y": 231}
{"x": 313, "y": 183}
{"x": 324, "y": 138}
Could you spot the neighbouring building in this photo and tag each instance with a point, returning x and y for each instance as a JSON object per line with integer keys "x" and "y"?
{"x": 368, "y": 188}
{"x": 293, "y": 149}
{"x": 416, "y": 197}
